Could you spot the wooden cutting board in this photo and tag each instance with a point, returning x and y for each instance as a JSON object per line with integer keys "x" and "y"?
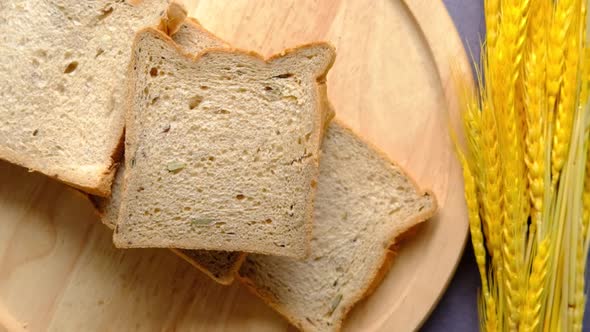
{"x": 391, "y": 82}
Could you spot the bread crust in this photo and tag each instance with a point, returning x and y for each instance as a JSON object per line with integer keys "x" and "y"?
{"x": 386, "y": 260}
{"x": 321, "y": 117}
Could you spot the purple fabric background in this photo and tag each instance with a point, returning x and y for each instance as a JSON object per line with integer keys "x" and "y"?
{"x": 457, "y": 309}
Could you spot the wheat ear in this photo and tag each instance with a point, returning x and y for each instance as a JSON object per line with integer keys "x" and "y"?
{"x": 535, "y": 289}
{"x": 492, "y": 183}
{"x": 555, "y": 48}
{"x": 511, "y": 39}
{"x": 535, "y": 66}
{"x": 567, "y": 100}
{"x": 474, "y": 220}
{"x": 492, "y": 17}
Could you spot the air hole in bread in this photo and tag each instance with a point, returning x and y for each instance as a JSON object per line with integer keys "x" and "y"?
{"x": 267, "y": 88}
{"x": 242, "y": 90}
{"x": 211, "y": 158}
{"x": 299, "y": 140}
{"x": 106, "y": 12}
{"x": 154, "y": 72}
{"x": 187, "y": 208}
{"x": 240, "y": 197}
{"x": 71, "y": 67}
{"x": 35, "y": 132}
{"x": 219, "y": 224}
{"x": 222, "y": 111}
{"x": 204, "y": 87}
{"x": 155, "y": 100}
{"x": 157, "y": 210}
{"x": 310, "y": 57}
{"x": 286, "y": 75}
{"x": 268, "y": 221}
{"x": 40, "y": 53}
{"x": 307, "y": 137}
{"x": 194, "y": 102}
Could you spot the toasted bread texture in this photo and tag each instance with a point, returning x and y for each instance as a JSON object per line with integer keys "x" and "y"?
{"x": 63, "y": 65}
{"x": 222, "y": 148}
{"x": 364, "y": 203}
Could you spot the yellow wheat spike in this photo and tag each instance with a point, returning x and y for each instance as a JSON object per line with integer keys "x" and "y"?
{"x": 492, "y": 183}
{"x": 535, "y": 66}
{"x": 567, "y": 100}
{"x": 509, "y": 50}
{"x": 492, "y": 17}
{"x": 491, "y": 321}
{"x": 576, "y": 312}
{"x": 535, "y": 289}
{"x": 555, "y": 48}
{"x": 474, "y": 219}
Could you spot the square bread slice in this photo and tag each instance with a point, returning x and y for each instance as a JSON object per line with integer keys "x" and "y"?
{"x": 62, "y": 66}
{"x": 363, "y": 203}
{"x": 222, "y": 149}
{"x": 221, "y": 266}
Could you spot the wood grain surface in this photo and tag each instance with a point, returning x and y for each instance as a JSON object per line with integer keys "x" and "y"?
{"x": 391, "y": 82}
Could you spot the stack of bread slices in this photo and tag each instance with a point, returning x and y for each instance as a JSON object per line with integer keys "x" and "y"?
{"x": 230, "y": 159}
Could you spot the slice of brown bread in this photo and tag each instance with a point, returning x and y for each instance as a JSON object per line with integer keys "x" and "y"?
{"x": 363, "y": 203}
{"x": 222, "y": 149}
{"x": 62, "y": 66}
{"x": 221, "y": 266}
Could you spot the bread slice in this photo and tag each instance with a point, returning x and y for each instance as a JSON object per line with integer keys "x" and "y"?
{"x": 62, "y": 66}
{"x": 363, "y": 203}
{"x": 222, "y": 149}
{"x": 221, "y": 266}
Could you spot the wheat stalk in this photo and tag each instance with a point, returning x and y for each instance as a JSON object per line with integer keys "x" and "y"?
{"x": 586, "y": 199}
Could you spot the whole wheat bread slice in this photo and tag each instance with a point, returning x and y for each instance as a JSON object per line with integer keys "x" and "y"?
{"x": 62, "y": 66}
{"x": 221, "y": 266}
{"x": 222, "y": 149}
{"x": 363, "y": 203}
